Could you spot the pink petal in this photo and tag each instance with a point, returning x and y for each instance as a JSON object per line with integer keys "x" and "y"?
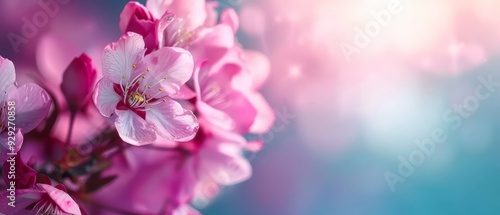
{"x": 215, "y": 117}
{"x": 212, "y": 115}
{"x": 163, "y": 29}
{"x": 212, "y": 43}
{"x": 265, "y": 117}
{"x": 184, "y": 93}
{"x": 62, "y": 199}
{"x": 105, "y": 97}
{"x": 118, "y": 59}
{"x": 158, "y": 7}
{"x": 5, "y": 149}
{"x": 230, "y": 17}
{"x": 175, "y": 65}
{"x": 32, "y": 106}
{"x": 7, "y": 74}
{"x": 133, "y": 129}
{"x": 258, "y": 66}
{"x": 254, "y": 146}
{"x": 212, "y": 14}
{"x": 222, "y": 160}
{"x": 191, "y": 10}
{"x": 172, "y": 121}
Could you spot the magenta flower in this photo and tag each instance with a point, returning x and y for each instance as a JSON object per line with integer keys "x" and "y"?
{"x": 228, "y": 97}
{"x": 31, "y": 104}
{"x": 77, "y": 92}
{"x": 42, "y": 199}
{"x": 137, "y": 89}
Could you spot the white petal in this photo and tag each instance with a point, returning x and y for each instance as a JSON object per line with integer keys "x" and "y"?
{"x": 174, "y": 64}
{"x": 32, "y": 106}
{"x": 106, "y": 98}
{"x": 118, "y": 59}
{"x": 172, "y": 121}
{"x": 62, "y": 199}
{"x": 133, "y": 129}
{"x": 7, "y": 74}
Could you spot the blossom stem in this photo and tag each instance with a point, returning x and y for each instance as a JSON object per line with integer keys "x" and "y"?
{"x": 71, "y": 122}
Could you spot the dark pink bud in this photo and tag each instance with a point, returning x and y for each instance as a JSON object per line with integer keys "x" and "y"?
{"x": 78, "y": 82}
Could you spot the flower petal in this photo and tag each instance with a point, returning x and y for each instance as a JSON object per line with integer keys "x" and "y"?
{"x": 212, "y": 43}
{"x": 158, "y": 7}
{"x": 192, "y": 10}
{"x": 214, "y": 116}
{"x": 172, "y": 121}
{"x": 222, "y": 159}
{"x": 265, "y": 117}
{"x": 230, "y": 17}
{"x": 258, "y": 66}
{"x": 32, "y": 106}
{"x": 118, "y": 59}
{"x": 133, "y": 129}
{"x": 174, "y": 65}
{"x": 105, "y": 97}
{"x": 4, "y": 148}
{"x": 7, "y": 74}
{"x": 62, "y": 199}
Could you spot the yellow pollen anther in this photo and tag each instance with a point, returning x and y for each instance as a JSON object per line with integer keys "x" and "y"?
{"x": 150, "y": 107}
{"x": 137, "y": 97}
{"x": 134, "y": 66}
{"x": 148, "y": 70}
{"x": 164, "y": 100}
{"x": 143, "y": 77}
{"x": 124, "y": 77}
{"x": 161, "y": 90}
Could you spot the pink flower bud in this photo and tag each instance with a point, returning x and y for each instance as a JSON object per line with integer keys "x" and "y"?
{"x": 78, "y": 82}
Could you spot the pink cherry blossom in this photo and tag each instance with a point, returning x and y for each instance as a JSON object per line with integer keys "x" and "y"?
{"x": 228, "y": 96}
{"x": 31, "y": 106}
{"x": 136, "y": 89}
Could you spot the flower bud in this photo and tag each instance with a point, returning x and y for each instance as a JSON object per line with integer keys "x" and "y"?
{"x": 78, "y": 82}
{"x": 137, "y": 18}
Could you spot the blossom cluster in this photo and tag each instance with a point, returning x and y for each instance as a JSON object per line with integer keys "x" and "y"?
{"x": 159, "y": 130}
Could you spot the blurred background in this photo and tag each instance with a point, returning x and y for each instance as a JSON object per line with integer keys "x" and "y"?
{"x": 355, "y": 86}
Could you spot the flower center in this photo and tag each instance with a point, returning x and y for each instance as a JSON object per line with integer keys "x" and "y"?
{"x": 143, "y": 91}
{"x": 136, "y": 98}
